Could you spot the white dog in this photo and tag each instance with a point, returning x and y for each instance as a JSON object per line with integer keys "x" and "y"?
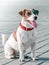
{"x": 23, "y": 37}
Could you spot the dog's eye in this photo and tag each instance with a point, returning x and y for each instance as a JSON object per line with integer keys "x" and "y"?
{"x": 29, "y": 13}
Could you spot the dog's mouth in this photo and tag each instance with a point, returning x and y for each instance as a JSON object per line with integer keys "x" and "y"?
{"x": 33, "y": 23}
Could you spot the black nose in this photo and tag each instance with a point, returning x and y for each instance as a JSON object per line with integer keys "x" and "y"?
{"x": 35, "y": 17}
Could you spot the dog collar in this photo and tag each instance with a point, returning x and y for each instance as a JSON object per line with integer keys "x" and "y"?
{"x": 25, "y": 28}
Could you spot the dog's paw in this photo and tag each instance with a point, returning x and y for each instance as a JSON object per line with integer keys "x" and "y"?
{"x": 35, "y": 59}
{"x": 10, "y": 57}
{"x": 21, "y": 60}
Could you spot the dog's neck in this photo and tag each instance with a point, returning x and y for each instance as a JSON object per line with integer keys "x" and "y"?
{"x": 25, "y": 23}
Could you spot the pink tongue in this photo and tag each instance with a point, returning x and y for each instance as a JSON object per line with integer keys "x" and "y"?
{"x": 34, "y": 24}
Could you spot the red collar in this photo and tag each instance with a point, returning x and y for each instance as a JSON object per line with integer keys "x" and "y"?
{"x": 25, "y": 28}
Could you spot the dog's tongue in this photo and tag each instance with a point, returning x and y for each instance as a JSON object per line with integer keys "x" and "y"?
{"x": 34, "y": 24}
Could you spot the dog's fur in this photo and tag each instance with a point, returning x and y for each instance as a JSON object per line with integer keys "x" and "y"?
{"x": 20, "y": 40}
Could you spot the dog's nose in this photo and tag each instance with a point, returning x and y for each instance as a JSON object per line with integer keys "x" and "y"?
{"x": 35, "y": 17}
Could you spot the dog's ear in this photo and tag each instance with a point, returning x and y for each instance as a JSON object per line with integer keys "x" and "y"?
{"x": 36, "y": 12}
{"x": 22, "y": 13}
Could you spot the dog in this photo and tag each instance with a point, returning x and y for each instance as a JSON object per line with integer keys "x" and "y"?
{"x": 23, "y": 38}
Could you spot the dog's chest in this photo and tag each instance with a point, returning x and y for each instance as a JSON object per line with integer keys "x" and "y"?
{"x": 26, "y": 36}
{"x": 28, "y": 39}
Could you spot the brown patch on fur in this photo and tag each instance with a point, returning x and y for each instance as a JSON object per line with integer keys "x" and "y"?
{"x": 14, "y": 35}
{"x": 22, "y": 13}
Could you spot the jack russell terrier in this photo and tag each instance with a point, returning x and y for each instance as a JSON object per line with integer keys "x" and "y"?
{"x": 24, "y": 37}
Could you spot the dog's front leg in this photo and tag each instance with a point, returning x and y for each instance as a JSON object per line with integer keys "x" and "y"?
{"x": 33, "y": 51}
{"x": 21, "y": 54}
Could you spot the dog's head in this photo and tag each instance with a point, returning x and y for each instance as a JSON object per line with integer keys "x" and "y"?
{"x": 29, "y": 15}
